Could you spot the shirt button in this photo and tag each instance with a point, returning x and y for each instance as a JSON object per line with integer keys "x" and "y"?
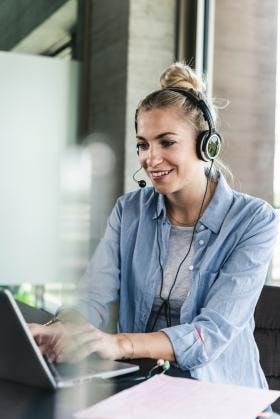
{"x": 201, "y": 227}
{"x": 201, "y": 242}
{"x": 190, "y": 267}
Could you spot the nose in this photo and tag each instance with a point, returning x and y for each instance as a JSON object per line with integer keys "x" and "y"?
{"x": 152, "y": 157}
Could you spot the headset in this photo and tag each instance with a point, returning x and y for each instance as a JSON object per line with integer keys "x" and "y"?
{"x": 208, "y": 145}
{"x": 161, "y": 363}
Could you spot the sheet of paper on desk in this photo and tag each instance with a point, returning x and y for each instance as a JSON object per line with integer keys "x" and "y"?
{"x": 169, "y": 397}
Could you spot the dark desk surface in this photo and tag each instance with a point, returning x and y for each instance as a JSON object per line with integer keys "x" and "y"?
{"x": 18, "y": 401}
{"x": 22, "y": 402}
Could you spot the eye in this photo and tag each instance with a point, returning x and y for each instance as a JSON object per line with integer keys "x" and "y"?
{"x": 142, "y": 146}
{"x": 167, "y": 143}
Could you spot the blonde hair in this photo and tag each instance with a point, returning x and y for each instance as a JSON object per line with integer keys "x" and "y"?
{"x": 182, "y": 76}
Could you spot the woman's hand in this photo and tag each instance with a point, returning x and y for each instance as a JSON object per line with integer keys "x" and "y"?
{"x": 47, "y": 337}
{"x": 80, "y": 341}
{"x": 71, "y": 343}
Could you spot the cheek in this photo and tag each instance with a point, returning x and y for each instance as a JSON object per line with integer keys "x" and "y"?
{"x": 181, "y": 162}
{"x": 141, "y": 159}
{"x": 186, "y": 165}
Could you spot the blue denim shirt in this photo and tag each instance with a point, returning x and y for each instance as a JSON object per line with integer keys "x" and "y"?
{"x": 233, "y": 246}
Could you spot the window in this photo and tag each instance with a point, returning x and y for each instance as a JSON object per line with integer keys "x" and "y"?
{"x": 276, "y": 186}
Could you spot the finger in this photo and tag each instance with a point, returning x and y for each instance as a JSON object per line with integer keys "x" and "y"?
{"x": 51, "y": 348}
{"x": 47, "y": 352}
{"x": 36, "y": 329}
{"x": 48, "y": 344}
{"x": 46, "y": 339}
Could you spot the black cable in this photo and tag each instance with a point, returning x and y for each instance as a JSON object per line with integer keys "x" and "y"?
{"x": 164, "y": 366}
{"x": 166, "y": 301}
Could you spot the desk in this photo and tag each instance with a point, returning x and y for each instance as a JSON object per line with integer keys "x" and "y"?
{"x": 23, "y": 402}
{"x": 18, "y": 401}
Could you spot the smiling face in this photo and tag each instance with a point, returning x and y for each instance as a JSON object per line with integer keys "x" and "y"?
{"x": 167, "y": 149}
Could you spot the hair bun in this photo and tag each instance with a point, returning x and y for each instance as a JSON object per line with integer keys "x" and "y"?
{"x": 181, "y": 75}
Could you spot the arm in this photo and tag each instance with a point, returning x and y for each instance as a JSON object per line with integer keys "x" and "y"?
{"x": 153, "y": 345}
{"x": 230, "y": 303}
{"x": 99, "y": 287}
{"x": 73, "y": 342}
{"x": 96, "y": 290}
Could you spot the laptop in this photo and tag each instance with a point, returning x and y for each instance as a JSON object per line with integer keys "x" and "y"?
{"x": 22, "y": 361}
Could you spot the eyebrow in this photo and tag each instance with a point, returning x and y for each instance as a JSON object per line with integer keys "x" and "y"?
{"x": 159, "y": 136}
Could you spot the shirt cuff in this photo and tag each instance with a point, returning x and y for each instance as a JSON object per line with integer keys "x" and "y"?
{"x": 186, "y": 344}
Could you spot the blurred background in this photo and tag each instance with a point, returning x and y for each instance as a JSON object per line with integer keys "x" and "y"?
{"x": 71, "y": 75}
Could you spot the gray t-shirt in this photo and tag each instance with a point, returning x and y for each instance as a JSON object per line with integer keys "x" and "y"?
{"x": 179, "y": 242}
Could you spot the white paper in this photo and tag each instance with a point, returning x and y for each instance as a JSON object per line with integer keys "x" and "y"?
{"x": 165, "y": 397}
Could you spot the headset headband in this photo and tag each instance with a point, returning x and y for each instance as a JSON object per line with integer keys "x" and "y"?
{"x": 199, "y": 102}
{"x": 196, "y": 100}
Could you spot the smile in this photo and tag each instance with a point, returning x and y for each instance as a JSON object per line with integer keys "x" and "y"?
{"x": 160, "y": 173}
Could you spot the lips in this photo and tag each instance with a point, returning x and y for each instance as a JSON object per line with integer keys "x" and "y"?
{"x": 160, "y": 174}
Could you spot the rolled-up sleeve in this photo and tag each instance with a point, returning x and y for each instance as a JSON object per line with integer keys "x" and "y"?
{"x": 230, "y": 302}
{"x": 99, "y": 287}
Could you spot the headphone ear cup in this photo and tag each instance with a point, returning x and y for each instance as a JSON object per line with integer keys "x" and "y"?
{"x": 208, "y": 146}
{"x": 200, "y": 142}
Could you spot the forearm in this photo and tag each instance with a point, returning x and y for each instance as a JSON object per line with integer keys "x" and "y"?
{"x": 154, "y": 345}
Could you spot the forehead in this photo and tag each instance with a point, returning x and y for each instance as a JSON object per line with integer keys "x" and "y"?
{"x": 164, "y": 119}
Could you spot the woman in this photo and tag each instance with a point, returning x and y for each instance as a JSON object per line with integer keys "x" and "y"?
{"x": 187, "y": 257}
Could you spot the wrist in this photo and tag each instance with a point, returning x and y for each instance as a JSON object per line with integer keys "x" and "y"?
{"x": 126, "y": 346}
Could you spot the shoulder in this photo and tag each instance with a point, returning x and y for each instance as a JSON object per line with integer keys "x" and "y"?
{"x": 254, "y": 216}
{"x": 140, "y": 200}
{"x": 233, "y": 202}
{"x": 253, "y": 206}
{"x": 234, "y": 211}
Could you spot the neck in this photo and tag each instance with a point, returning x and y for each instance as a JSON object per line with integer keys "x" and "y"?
{"x": 185, "y": 207}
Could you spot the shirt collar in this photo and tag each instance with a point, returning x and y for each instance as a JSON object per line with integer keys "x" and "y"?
{"x": 216, "y": 211}
{"x": 160, "y": 208}
{"x": 218, "y": 207}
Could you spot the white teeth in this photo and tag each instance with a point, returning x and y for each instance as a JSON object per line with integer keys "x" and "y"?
{"x": 158, "y": 174}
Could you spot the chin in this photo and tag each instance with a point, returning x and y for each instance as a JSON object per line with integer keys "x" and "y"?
{"x": 164, "y": 189}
